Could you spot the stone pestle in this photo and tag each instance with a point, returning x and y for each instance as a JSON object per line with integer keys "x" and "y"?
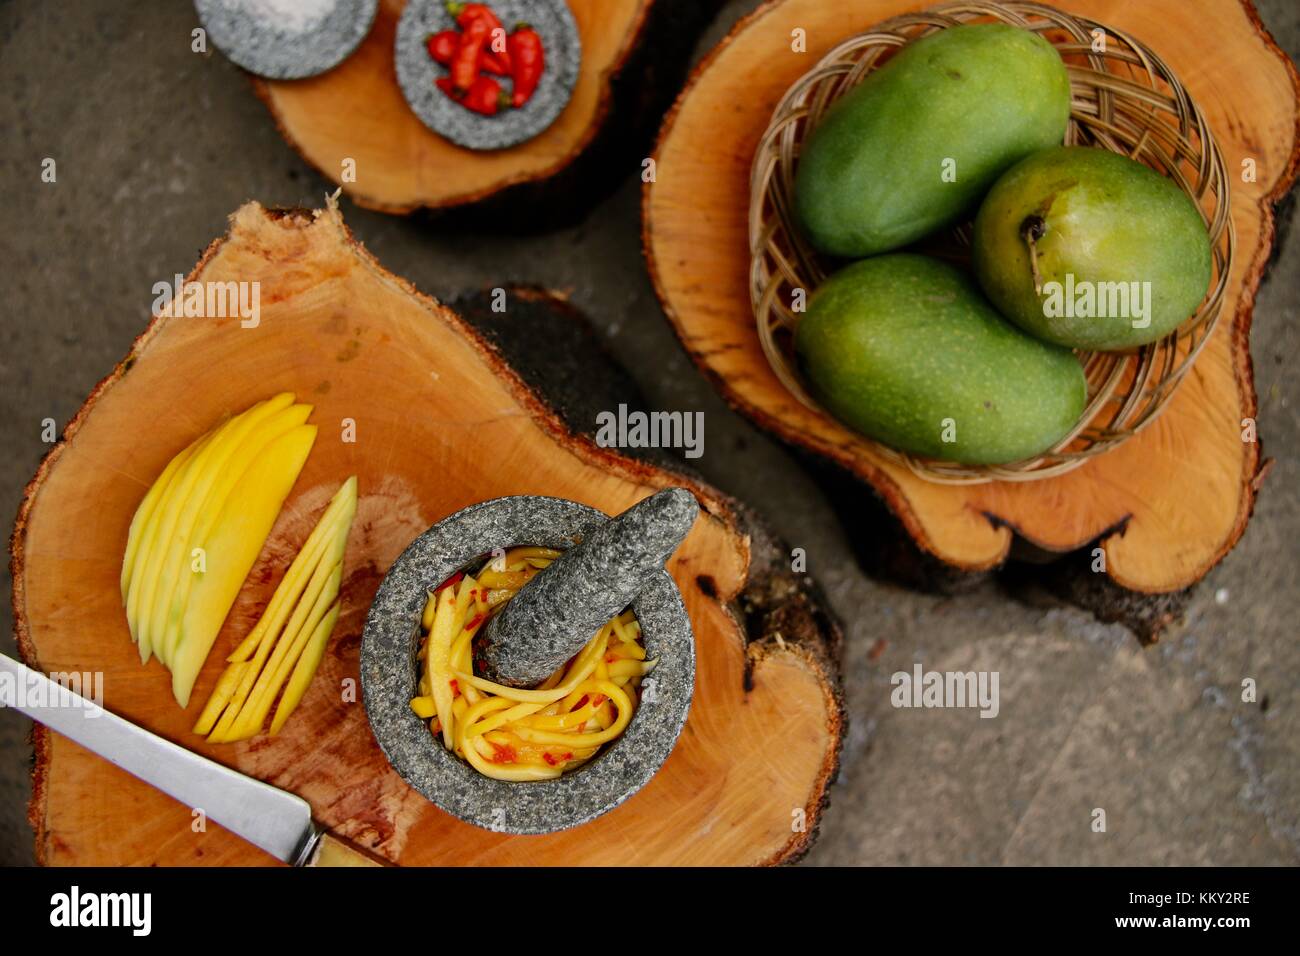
{"x": 564, "y": 604}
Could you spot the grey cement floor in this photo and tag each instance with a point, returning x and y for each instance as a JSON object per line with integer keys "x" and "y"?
{"x": 156, "y": 146}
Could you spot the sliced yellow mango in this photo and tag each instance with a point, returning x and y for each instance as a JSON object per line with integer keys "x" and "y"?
{"x": 424, "y": 707}
{"x": 267, "y": 644}
{"x": 304, "y": 585}
{"x": 221, "y": 694}
{"x": 151, "y": 547}
{"x": 430, "y": 606}
{"x": 202, "y": 511}
{"x": 439, "y": 660}
{"x": 305, "y": 669}
{"x": 232, "y": 547}
{"x": 283, "y": 658}
{"x": 218, "y": 466}
{"x": 145, "y": 511}
{"x": 341, "y": 509}
{"x": 164, "y": 543}
{"x": 169, "y": 547}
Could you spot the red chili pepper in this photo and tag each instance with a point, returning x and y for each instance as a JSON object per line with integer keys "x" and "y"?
{"x": 475, "y": 621}
{"x": 484, "y": 96}
{"x": 494, "y": 60}
{"x": 455, "y": 578}
{"x": 466, "y": 13}
{"x": 527, "y": 60}
{"x": 465, "y": 61}
{"x": 442, "y": 46}
{"x": 503, "y": 754}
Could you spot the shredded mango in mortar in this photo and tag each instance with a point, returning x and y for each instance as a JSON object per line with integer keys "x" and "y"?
{"x": 511, "y": 733}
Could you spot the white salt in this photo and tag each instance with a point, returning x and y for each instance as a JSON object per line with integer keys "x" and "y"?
{"x": 289, "y": 16}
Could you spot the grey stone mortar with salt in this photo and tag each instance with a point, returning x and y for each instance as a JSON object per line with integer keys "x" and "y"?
{"x": 287, "y": 39}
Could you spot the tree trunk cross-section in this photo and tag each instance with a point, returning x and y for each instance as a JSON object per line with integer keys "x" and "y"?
{"x": 1166, "y": 506}
{"x": 441, "y": 422}
{"x": 635, "y": 54}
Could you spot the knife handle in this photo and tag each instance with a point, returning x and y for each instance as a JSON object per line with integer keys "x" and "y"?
{"x": 331, "y": 851}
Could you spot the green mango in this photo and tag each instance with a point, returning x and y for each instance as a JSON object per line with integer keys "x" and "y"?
{"x": 903, "y": 348}
{"x": 917, "y": 143}
{"x": 1123, "y": 255}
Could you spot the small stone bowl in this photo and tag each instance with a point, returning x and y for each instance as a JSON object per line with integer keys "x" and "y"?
{"x": 417, "y": 73}
{"x": 278, "y": 52}
{"x": 389, "y": 675}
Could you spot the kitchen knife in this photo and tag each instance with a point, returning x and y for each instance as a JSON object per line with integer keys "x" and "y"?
{"x": 274, "y": 820}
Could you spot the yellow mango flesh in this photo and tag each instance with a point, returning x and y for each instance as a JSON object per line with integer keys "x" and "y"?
{"x": 290, "y": 588}
{"x": 220, "y": 696}
{"x": 191, "y": 481}
{"x": 200, "y": 515}
{"x": 438, "y": 661}
{"x": 305, "y": 669}
{"x": 151, "y": 548}
{"x": 287, "y": 651}
{"x": 165, "y": 545}
{"x": 232, "y": 547}
{"x": 309, "y": 583}
{"x": 145, "y": 512}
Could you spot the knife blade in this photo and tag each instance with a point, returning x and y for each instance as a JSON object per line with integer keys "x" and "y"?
{"x": 267, "y": 817}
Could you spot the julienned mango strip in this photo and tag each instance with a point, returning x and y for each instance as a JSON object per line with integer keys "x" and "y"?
{"x": 283, "y": 658}
{"x": 274, "y": 644}
{"x": 220, "y": 696}
{"x": 583, "y": 666}
{"x": 488, "y": 724}
{"x": 291, "y": 585}
{"x": 631, "y": 668}
{"x": 297, "y": 592}
{"x": 305, "y": 669}
{"x": 438, "y": 660}
{"x": 612, "y": 692}
{"x": 424, "y": 707}
{"x": 500, "y": 580}
{"x": 469, "y": 747}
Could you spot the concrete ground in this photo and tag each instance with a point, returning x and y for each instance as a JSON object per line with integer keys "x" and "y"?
{"x": 156, "y": 146}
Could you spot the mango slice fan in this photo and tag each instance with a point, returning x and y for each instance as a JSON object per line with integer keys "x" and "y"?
{"x": 200, "y": 527}
{"x": 285, "y": 647}
{"x": 511, "y": 733}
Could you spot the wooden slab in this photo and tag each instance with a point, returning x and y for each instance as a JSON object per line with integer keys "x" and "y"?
{"x": 634, "y": 55}
{"x": 440, "y": 422}
{"x": 1166, "y": 506}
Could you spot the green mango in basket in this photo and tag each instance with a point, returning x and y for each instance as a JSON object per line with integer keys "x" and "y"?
{"x": 904, "y": 349}
{"x": 915, "y": 146}
{"x": 1092, "y": 250}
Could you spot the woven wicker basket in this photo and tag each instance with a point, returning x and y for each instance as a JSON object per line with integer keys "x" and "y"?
{"x": 1124, "y": 98}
